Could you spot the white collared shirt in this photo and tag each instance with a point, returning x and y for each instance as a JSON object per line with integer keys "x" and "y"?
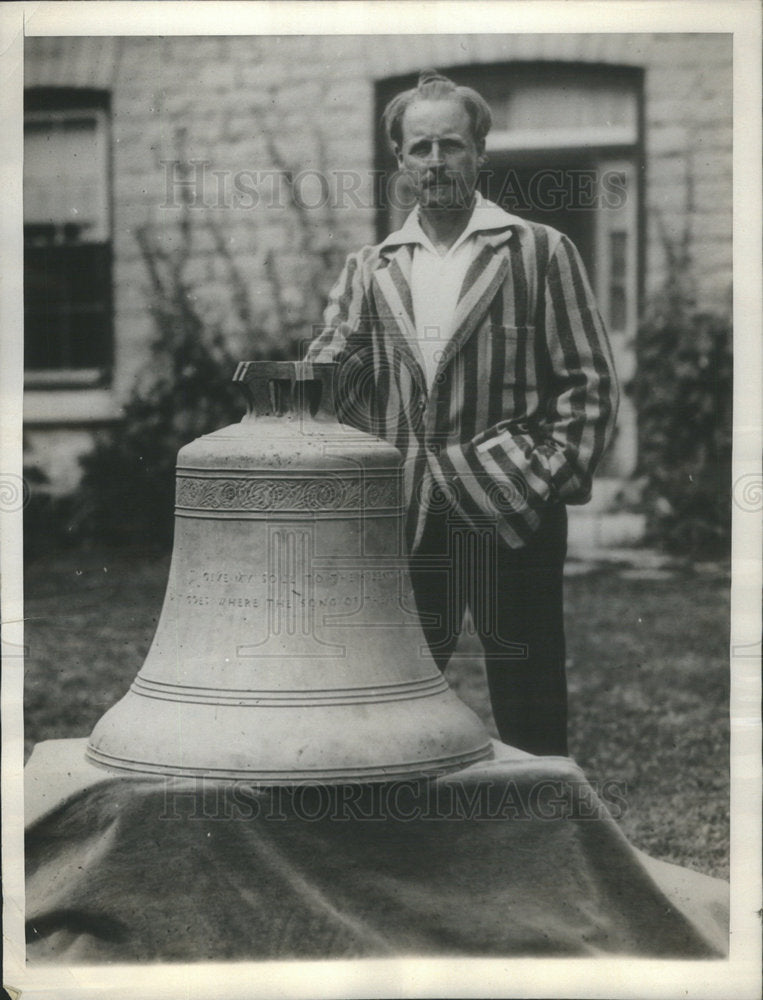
{"x": 436, "y": 278}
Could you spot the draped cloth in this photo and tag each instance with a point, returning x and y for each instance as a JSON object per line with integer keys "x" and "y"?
{"x": 512, "y": 857}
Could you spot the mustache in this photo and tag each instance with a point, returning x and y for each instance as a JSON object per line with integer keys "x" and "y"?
{"x": 457, "y": 184}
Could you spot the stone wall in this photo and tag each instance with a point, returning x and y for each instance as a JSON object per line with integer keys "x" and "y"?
{"x": 228, "y": 102}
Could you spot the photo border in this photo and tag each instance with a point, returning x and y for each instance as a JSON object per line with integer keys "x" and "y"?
{"x": 739, "y": 975}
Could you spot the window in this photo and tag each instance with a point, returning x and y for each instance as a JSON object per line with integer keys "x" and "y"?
{"x": 67, "y": 238}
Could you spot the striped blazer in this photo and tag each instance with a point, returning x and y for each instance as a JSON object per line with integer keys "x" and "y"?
{"x": 525, "y": 396}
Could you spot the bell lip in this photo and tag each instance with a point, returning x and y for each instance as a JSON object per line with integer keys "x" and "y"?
{"x": 370, "y": 774}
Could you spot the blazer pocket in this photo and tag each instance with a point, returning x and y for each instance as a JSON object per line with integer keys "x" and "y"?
{"x": 516, "y": 345}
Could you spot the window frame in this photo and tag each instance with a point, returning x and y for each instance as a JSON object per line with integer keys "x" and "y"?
{"x": 58, "y": 104}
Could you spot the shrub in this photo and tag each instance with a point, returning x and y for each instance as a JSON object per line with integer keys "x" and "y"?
{"x": 47, "y": 518}
{"x": 683, "y": 394}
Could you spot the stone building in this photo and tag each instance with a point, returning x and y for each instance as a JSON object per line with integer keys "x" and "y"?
{"x": 270, "y": 148}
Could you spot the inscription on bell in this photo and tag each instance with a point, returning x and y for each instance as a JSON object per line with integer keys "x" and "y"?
{"x": 219, "y": 577}
{"x": 204, "y": 600}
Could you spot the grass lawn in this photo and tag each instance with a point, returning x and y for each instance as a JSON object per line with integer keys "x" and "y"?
{"x": 647, "y": 668}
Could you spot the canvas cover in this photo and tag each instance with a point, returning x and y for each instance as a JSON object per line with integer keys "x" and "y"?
{"x": 513, "y": 857}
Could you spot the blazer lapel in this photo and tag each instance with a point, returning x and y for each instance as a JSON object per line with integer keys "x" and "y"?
{"x": 485, "y": 276}
{"x": 395, "y": 303}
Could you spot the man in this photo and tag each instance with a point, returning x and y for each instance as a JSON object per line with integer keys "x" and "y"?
{"x": 470, "y": 339}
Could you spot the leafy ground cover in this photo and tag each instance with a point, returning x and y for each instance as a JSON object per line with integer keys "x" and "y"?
{"x": 647, "y": 668}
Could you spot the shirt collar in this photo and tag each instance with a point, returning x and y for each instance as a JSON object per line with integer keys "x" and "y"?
{"x": 486, "y": 217}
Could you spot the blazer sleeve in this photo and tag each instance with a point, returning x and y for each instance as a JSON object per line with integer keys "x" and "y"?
{"x": 343, "y": 338}
{"x": 554, "y": 459}
{"x": 345, "y": 305}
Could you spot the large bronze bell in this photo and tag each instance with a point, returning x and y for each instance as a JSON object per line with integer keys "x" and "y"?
{"x": 288, "y": 647}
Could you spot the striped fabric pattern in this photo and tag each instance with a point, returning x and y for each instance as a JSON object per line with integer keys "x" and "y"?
{"x": 525, "y": 396}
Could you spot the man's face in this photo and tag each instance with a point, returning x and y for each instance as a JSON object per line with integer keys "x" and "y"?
{"x": 439, "y": 154}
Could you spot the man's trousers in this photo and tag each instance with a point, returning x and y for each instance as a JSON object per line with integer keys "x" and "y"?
{"x": 515, "y": 597}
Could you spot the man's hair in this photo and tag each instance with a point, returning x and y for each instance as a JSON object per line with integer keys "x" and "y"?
{"x": 433, "y": 86}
